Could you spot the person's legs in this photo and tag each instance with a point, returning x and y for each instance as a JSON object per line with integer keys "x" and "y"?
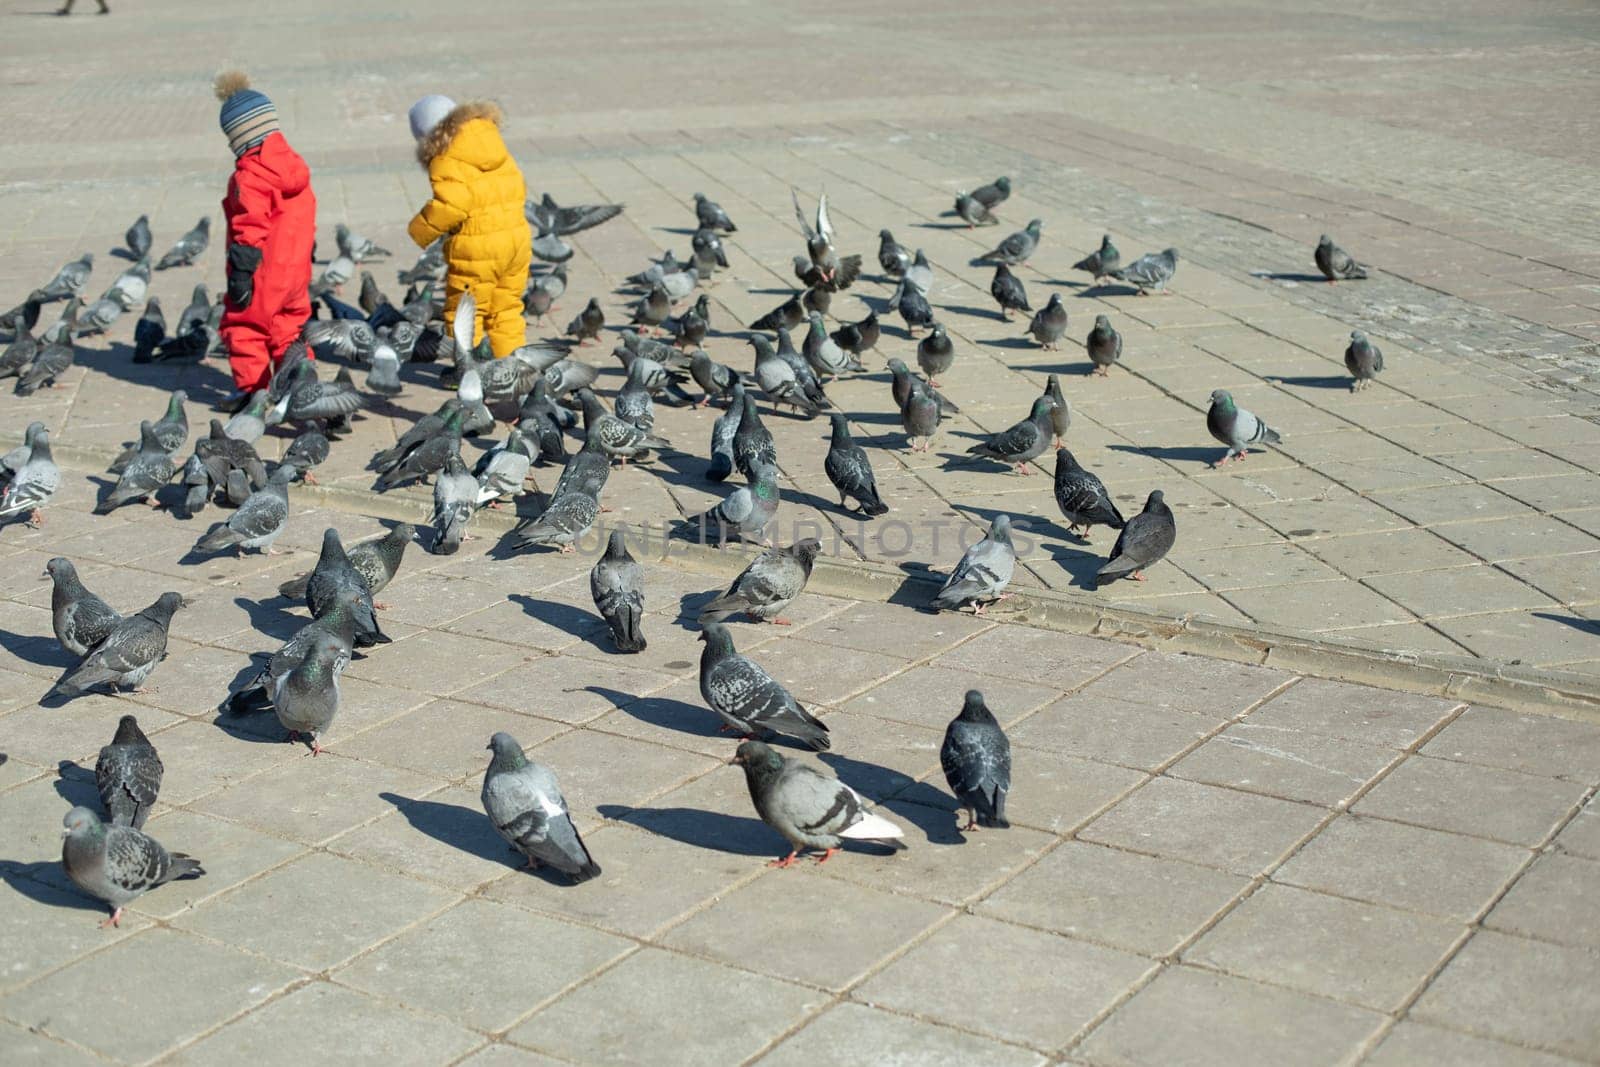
{"x": 287, "y": 324}
{"x": 248, "y": 359}
{"x": 508, "y": 330}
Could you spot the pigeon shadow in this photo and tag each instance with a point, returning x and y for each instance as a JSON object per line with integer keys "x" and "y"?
{"x": 877, "y": 783}
{"x": 665, "y": 713}
{"x": 938, "y": 824}
{"x": 563, "y": 617}
{"x": 1327, "y": 381}
{"x": 120, "y": 252}
{"x": 1180, "y": 453}
{"x": 258, "y": 725}
{"x": 75, "y": 784}
{"x": 270, "y": 617}
{"x": 466, "y": 829}
{"x": 943, "y": 225}
{"x": 1009, "y": 342}
{"x": 975, "y": 312}
{"x": 31, "y": 881}
{"x": 205, "y": 380}
{"x": 691, "y": 604}
{"x": 685, "y": 231}
{"x": 44, "y": 651}
{"x": 1108, "y": 289}
{"x": 710, "y": 830}
{"x": 1287, "y": 276}
{"x": 1576, "y": 622}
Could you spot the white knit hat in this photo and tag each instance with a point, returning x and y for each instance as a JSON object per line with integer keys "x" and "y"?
{"x": 428, "y": 113}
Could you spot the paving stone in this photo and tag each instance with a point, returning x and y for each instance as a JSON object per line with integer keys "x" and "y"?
{"x": 442, "y": 837}
{"x": 1428, "y": 1046}
{"x": 837, "y": 1037}
{"x": 456, "y": 736}
{"x": 49, "y": 926}
{"x": 930, "y": 696}
{"x": 231, "y": 854}
{"x": 28, "y": 1048}
{"x": 1482, "y": 801}
{"x": 422, "y": 967}
{"x": 1238, "y": 832}
{"x": 314, "y": 798}
{"x": 1352, "y": 713}
{"x": 1098, "y": 727}
{"x": 1582, "y": 835}
{"x": 1404, "y": 866}
{"x": 1526, "y": 992}
{"x": 1144, "y": 904}
{"x": 1064, "y": 661}
{"x": 1294, "y": 766}
{"x": 1203, "y": 1018}
{"x": 1551, "y": 901}
{"x": 218, "y": 983}
{"x": 1533, "y": 744}
{"x": 1207, "y": 687}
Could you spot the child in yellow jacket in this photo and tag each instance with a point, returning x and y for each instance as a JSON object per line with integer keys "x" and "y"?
{"x": 477, "y": 206}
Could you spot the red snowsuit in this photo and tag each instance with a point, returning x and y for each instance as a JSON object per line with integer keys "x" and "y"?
{"x": 270, "y": 208}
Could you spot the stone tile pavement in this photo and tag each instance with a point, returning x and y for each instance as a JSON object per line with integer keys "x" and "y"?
{"x": 1205, "y": 855}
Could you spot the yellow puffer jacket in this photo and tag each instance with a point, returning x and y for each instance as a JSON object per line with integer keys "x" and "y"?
{"x": 478, "y": 197}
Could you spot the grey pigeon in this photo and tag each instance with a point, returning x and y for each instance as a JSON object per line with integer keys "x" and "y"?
{"x": 338, "y": 270}
{"x": 723, "y": 431}
{"x": 378, "y": 560}
{"x": 258, "y": 522}
{"x": 311, "y": 400}
{"x": 237, "y": 490}
{"x": 1236, "y": 427}
{"x": 1061, "y": 411}
{"x": 848, "y": 468}
{"x": 1335, "y": 263}
{"x": 197, "y": 487}
{"x": 778, "y": 380}
{"x": 20, "y": 352}
{"x": 679, "y": 283}
{"x": 1007, "y": 290}
{"x": 810, "y": 384}
{"x": 171, "y": 432}
{"x": 711, "y": 217}
{"x": 430, "y": 265}
{"x": 128, "y": 654}
{"x": 221, "y": 454}
{"x": 524, "y": 802}
{"x": 823, "y": 354}
{"x": 920, "y": 274}
{"x": 138, "y": 237}
{"x": 752, "y": 441}
{"x": 747, "y": 698}
{"x": 633, "y": 403}
{"x": 13, "y": 461}
{"x": 902, "y": 382}
{"x": 306, "y": 697}
{"x": 818, "y": 299}
{"x": 501, "y": 472}
{"x": 972, "y": 212}
{"x": 1016, "y": 249}
{"x": 983, "y": 573}
{"x": 1104, "y": 346}
{"x": 54, "y": 354}
{"x": 248, "y": 424}
{"x": 81, "y": 620}
{"x": 892, "y": 255}
{"x": 356, "y": 246}
{"x": 653, "y": 308}
{"x": 810, "y": 809}
{"x": 617, "y": 585}
{"x": 188, "y": 247}
{"x": 569, "y": 517}
{"x": 147, "y": 472}
{"x": 1363, "y": 359}
{"x": 197, "y": 312}
{"x": 350, "y": 610}
{"x": 68, "y": 281}
{"x": 711, "y": 376}
{"x": 858, "y": 337}
{"x": 936, "y": 353}
{"x": 786, "y": 316}
{"x": 549, "y": 217}
{"x": 588, "y": 323}
{"x": 1151, "y": 271}
{"x": 585, "y": 471}
{"x": 1102, "y": 261}
{"x": 455, "y": 499}
{"x": 976, "y": 757}
{"x": 118, "y": 864}
{"x": 1022, "y": 442}
{"x": 616, "y": 437}
{"x": 1049, "y": 323}
{"x": 994, "y": 194}
{"x": 347, "y": 339}
{"x": 913, "y": 307}
{"x": 34, "y": 483}
{"x": 128, "y": 775}
{"x": 1082, "y": 497}
{"x": 383, "y": 371}
{"x": 335, "y": 573}
{"x": 1146, "y": 538}
{"x": 744, "y": 514}
{"x": 149, "y": 332}
{"x": 446, "y": 421}
{"x": 919, "y": 415}
{"x": 768, "y": 585}
{"x": 694, "y": 324}
{"x": 429, "y": 455}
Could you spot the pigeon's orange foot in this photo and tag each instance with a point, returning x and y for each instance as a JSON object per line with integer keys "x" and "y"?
{"x": 826, "y": 853}
{"x": 787, "y": 861}
{"x": 115, "y": 920}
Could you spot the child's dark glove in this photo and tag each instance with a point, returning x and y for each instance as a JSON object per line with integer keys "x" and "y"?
{"x": 242, "y": 263}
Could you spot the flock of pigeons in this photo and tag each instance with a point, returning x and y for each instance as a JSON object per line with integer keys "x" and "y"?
{"x": 543, "y": 392}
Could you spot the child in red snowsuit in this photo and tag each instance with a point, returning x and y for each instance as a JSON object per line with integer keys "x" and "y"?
{"x": 272, "y": 222}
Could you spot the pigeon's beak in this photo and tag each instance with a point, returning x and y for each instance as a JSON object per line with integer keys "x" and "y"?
{"x": 735, "y": 760}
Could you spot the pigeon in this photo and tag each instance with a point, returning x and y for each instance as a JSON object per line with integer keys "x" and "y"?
{"x": 129, "y": 652}
{"x": 23, "y": 347}
{"x": 198, "y": 487}
{"x": 34, "y": 483}
{"x": 188, "y": 248}
{"x": 429, "y": 455}
{"x": 258, "y": 522}
{"x": 903, "y": 382}
{"x": 822, "y": 354}
{"x": 524, "y": 802}
{"x": 171, "y": 432}
{"x": 810, "y": 809}
{"x": 1363, "y": 359}
{"x": 1082, "y": 497}
{"x": 1335, "y": 263}
{"x": 128, "y": 775}
{"x": 455, "y": 498}
{"x": 499, "y": 474}
{"x": 743, "y": 514}
{"x": 339, "y": 269}
{"x": 817, "y": 300}
{"x": 920, "y": 273}
{"x": 149, "y": 332}
{"x": 892, "y": 255}
{"x": 983, "y": 573}
{"x": 768, "y": 585}
{"x": 913, "y": 307}
{"x": 311, "y": 400}
{"x": 549, "y": 217}
{"x": 858, "y": 337}
{"x": 356, "y": 246}
{"x": 1104, "y": 346}
{"x": 711, "y": 376}
{"x": 994, "y": 194}
{"x": 237, "y": 490}
{"x": 653, "y": 308}
{"x": 538, "y": 423}
{"x": 976, "y": 757}
{"x": 221, "y": 454}
{"x": 653, "y": 273}
{"x": 786, "y": 316}
{"x": 693, "y": 325}
{"x": 748, "y": 699}
{"x": 1146, "y": 538}
{"x": 1061, "y": 411}
{"x": 617, "y": 585}
{"x": 376, "y": 561}
{"x": 723, "y": 431}
{"x": 430, "y": 265}
{"x": 586, "y": 471}
{"x": 81, "y": 620}
{"x": 196, "y": 313}
{"x": 1049, "y": 322}
{"x": 1007, "y": 290}
{"x": 708, "y": 253}
{"x": 249, "y": 422}
{"x": 711, "y": 217}
{"x": 936, "y": 353}
{"x": 778, "y": 380}
{"x": 24, "y": 317}
{"x": 383, "y": 373}
{"x": 1022, "y": 442}
{"x": 347, "y": 339}
{"x": 143, "y": 475}
{"x": 589, "y": 322}
{"x": 68, "y": 282}
{"x": 972, "y": 212}
{"x": 1102, "y": 262}
{"x": 633, "y": 403}
{"x": 850, "y": 471}
{"x": 752, "y": 441}
{"x": 1016, "y": 249}
{"x": 340, "y": 619}
{"x": 679, "y": 283}
{"x": 54, "y": 354}
{"x": 98, "y": 316}
{"x": 616, "y": 437}
{"x": 1236, "y": 427}
{"x": 331, "y": 577}
{"x": 306, "y": 696}
{"x": 823, "y": 225}
{"x": 569, "y": 517}
{"x": 919, "y": 415}
{"x": 14, "y": 460}
{"x": 130, "y": 286}
{"x": 552, "y": 249}
{"x": 1151, "y": 271}
{"x": 137, "y": 239}
{"x": 118, "y": 864}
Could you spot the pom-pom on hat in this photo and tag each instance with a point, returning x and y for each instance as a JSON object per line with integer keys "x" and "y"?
{"x": 247, "y": 116}
{"x": 429, "y": 112}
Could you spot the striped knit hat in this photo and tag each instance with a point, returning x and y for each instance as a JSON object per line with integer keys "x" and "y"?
{"x": 247, "y": 116}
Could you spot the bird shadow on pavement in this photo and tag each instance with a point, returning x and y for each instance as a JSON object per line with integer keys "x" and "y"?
{"x": 464, "y": 828}
{"x": 32, "y": 881}
{"x": 1287, "y": 276}
{"x": 878, "y": 783}
{"x": 689, "y": 605}
{"x": 663, "y": 712}
{"x": 710, "y": 830}
{"x": 1097, "y": 291}
{"x": 43, "y": 651}
{"x": 1325, "y": 381}
{"x": 567, "y": 618}
{"x": 1576, "y": 622}
{"x": 684, "y": 231}
{"x": 975, "y": 312}
{"x": 1180, "y": 453}
{"x": 271, "y": 617}
{"x": 1009, "y": 342}
{"x": 958, "y": 225}
{"x": 938, "y": 824}
{"x": 204, "y": 380}
{"x": 75, "y": 784}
